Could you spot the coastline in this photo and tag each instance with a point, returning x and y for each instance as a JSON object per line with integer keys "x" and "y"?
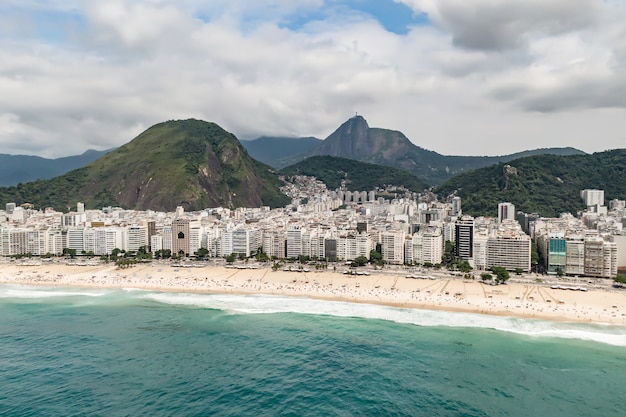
{"x": 448, "y": 293}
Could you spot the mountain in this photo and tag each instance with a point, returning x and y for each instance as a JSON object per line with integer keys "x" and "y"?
{"x": 354, "y": 139}
{"x": 189, "y": 163}
{"x": 359, "y": 176}
{"x": 545, "y": 184}
{"x": 271, "y": 150}
{"x": 15, "y": 169}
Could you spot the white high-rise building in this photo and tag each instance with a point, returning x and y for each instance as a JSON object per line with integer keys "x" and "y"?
{"x": 294, "y": 241}
{"x": 392, "y": 247}
{"x": 592, "y": 197}
{"x": 432, "y": 245}
{"x": 510, "y": 251}
{"x": 506, "y": 211}
{"x": 137, "y": 236}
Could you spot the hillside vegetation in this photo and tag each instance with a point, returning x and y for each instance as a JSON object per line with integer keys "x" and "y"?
{"x": 544, "y": 184}
{"x": 189, "y": 163}
{"x": 359, "y": 176}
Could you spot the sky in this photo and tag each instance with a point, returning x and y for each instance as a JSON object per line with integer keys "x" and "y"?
{"x": 459, "y": 77}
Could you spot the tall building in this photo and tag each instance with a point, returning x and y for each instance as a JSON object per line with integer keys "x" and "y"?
{"x": 180, "y": 236}
{"x": 592, "y": 197}
{"x": 137, "y": 236}
{"x": 464, "y": 238}
{"x": 556, "y": 254}
{"x": 432, "y": 245}
{"x": 330, "y": 249}
{"x": 510, "y": 251}
{"x": 506, "y": 211}
{"x": 294, "y": 241}
{"x": 600, "y": 258}
{"x": 392, "y": 247}
{"x": 456, "y": 206}
{"x": 575, "y": 256}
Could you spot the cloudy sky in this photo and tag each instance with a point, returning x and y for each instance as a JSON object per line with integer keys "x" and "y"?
{"x": 479, "y": 77}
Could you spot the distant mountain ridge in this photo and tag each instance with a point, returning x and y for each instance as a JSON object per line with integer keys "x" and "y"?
{"x": 15, "y": 169}
{"x": 189, "y": 163}
{"x": 354, "y": 139}
{"x": 271, "y": 150}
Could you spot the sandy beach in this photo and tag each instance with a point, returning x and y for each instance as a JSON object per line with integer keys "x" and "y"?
{"x": 527, "y": 299}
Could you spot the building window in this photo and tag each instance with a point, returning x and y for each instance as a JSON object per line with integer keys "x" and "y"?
{"x": 181, "y": 235}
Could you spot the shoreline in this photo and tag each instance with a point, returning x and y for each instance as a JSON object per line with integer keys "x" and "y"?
{"x": 446, "y": 293}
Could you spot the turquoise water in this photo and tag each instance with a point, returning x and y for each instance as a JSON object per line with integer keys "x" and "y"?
{"x": 136, "y": 353}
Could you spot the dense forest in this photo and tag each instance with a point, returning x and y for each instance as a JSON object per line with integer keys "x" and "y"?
{"x": 545, "y": 184}
{"x": 358, "y": 176}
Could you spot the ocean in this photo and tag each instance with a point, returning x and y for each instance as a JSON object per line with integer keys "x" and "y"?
{"x": 81, "y": 352}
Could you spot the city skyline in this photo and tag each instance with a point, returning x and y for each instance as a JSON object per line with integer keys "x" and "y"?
{"x": 458, "y": 78}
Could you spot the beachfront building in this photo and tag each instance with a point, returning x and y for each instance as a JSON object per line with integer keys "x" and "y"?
{"x": 240, "y": 241}
{"x": 392, "y": 247}
{"x": 20, "y": 241}
{"x": 136, "y": 237}
{"x": 464, "y": 239}
{"x": 350, "y": 247}
{"x": 55, "y": 241}
{"x": 555, "y": 253}
{"x": 575, "y": 256}
{"x": 481, "y": 237}
{"x": 509, "y": 250}
{"x": 294, "y": 241}
{"x": 274, "y": 243}
{"x": 600, "y": 258}
{"x": 424, "y": 246}
{"x": 196, "y": 233}
{"x": 180, "y": 236}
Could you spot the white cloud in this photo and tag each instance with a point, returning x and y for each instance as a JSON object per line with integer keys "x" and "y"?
{"x": 482, "y": 78}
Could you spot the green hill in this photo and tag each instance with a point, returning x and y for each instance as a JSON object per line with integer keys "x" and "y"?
{"x": 544, "y": 184}
{"x": 359, "y": 176}
{"x": 189, "y": 163}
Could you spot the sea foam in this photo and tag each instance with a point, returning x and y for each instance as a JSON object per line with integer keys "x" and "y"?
{"x": 264, "y": 304}
{"x": 28, "y": 292}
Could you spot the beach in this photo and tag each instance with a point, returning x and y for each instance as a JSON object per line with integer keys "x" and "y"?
{"x": 517, "y": 298}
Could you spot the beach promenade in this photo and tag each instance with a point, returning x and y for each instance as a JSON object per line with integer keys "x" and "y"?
{"x": 525, "y": 297}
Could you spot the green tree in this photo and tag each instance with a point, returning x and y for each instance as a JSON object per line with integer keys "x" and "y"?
{"x": 465, "y": 267}
{"x": 202, "y": 253}
{"x": 231, "y": 258}
{"x": 359, "y": 261}
{"x": 502, "y": 275}
{"x": 620, "y": 279}
{"x": 375, "y": 256}
{"x": 261, "y": 256}
{"x": 519, "y": 271}
{"x": 486, "y": 276}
